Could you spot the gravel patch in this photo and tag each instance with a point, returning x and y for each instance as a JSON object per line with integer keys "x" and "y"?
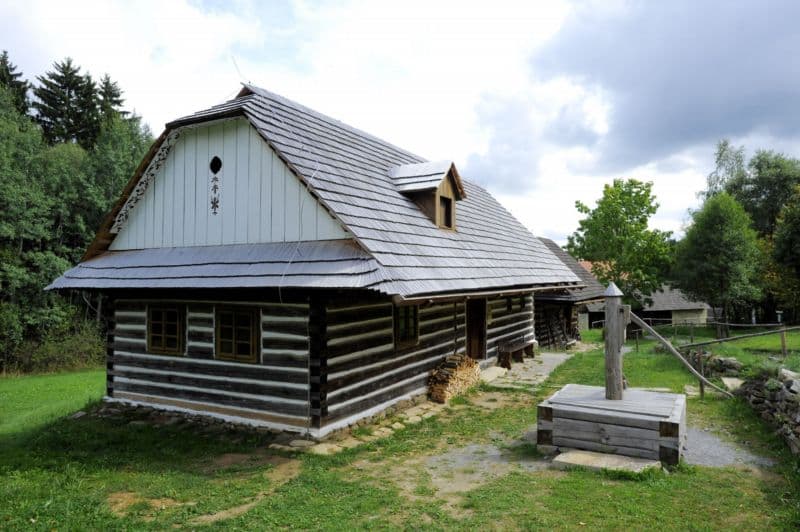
{"x": 707, "y": 449}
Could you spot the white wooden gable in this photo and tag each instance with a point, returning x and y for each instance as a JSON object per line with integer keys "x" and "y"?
{"x": 257, "y": 199}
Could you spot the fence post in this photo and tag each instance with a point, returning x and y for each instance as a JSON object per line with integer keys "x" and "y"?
{"x": 691, "y": 332}
{"x": 636, "y": 337}
{"x": 783, "y": 342}
{"x": 614, "y": 329}
{"x": 702, "y": 372}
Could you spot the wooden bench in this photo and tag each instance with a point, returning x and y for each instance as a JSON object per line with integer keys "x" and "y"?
{"x": 514, "y": 349}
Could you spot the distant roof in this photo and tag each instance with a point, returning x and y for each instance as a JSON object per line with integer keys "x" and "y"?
{"x": 349, "y": 172}
{"x": 668, "y": 298}
{"x": 593, "y": 290}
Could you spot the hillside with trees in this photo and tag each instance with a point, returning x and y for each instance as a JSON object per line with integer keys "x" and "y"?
{"x": 67, "y": 148}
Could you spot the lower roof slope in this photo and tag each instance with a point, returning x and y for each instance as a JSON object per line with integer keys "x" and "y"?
{"x": 592, "y": 289}
{"x": 348, "y": 170}
{"x": 322, "y": 264}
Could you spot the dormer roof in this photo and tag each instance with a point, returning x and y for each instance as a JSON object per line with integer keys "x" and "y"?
{"x": 418, "y": 177}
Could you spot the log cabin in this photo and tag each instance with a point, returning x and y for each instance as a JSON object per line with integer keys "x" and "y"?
{"x": 270, "y": 265}
{"x": 562, "y": 314}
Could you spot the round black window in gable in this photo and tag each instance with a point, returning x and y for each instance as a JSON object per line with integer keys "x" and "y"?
{"x": 216, "y": 164}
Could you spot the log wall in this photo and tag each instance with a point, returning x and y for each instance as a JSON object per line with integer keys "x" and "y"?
{"x": 324, "y": 363}
{"x": 508, "y": 321}
{"x": 274, "y": 392}
{"x": 364, "y": 371}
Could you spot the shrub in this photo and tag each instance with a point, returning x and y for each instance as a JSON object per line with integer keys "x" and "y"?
{"x": 77, "y": 343}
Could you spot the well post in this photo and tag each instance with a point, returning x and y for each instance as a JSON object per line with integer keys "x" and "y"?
{"x": 615, "y": 334}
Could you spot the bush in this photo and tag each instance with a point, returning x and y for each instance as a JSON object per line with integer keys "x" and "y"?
{"x": 76, "y": 344}
{"x": 10, "y": 329}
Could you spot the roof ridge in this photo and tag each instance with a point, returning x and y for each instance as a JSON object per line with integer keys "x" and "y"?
{"x": 326, "y": 118}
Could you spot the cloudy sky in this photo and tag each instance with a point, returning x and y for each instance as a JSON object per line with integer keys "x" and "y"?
{"x": 542, "y": 102}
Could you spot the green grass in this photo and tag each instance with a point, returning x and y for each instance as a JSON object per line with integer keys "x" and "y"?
{"x": 59, "y": 473}
{"x": 28, "y": 402}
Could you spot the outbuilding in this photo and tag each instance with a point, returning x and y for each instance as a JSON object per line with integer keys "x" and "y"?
{"x": 274, "y": 266}
{"x": 562, "y": 314}
{"x": 669, "y": 305}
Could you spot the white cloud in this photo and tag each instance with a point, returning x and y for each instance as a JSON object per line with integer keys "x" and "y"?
{"x": 427, "y": 76}
{"x": 171, "y": 58}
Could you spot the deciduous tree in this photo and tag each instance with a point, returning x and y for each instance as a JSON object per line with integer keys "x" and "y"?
{"x": 615, "y": 236}
{"x": 717, "y": 260}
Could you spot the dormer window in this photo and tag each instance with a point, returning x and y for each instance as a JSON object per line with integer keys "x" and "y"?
{"x": 434, "y": 186}
{"x": 445, "y": 213}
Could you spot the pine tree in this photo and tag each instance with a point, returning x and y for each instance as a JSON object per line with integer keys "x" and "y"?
{"x": 10, "y": 78}
{"x": 111, "y": 100}
{"x": 89, "y": 121}
{"x": 67, "y": 105}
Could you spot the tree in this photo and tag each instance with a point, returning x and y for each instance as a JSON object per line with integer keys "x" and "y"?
{"x": 66, "y": 105}
{"x": 122, "y": 144}
{"x": 110, "y": 99}
{"x": 787, "y": 234}
{"x": 11, "y": 79}
{"x": 766, "y": 188}
{"x": 717, "y": 260}
{"x": 616, "y": 238}
{"x": 25, "y": 229}
{"x": 729, "y": 167}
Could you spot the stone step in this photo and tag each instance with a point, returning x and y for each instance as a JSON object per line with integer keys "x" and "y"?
{"x": 599, "y": 461}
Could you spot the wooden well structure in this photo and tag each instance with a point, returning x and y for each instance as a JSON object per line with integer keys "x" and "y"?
{"x": 611, "y": 419}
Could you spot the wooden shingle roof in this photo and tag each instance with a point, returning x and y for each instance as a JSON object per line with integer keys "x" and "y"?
{"x": 350, "y": 172}
{"x": 592, "y": 289}
{"x": 669, "y": 298}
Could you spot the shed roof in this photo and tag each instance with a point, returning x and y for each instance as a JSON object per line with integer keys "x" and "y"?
{"x": 350, "y": 172}
{"x": 592, "y": 290}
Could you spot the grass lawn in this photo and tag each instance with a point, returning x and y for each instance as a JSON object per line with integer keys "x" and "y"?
{"x": 30, "y": 401}
{"x": 92, "y": 473}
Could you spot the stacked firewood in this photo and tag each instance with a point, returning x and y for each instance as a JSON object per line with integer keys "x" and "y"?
{"x": 452, "y": 377}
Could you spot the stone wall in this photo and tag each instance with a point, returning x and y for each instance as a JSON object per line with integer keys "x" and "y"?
{"x": 714, "y": 366}
{"x": 778, "y": 401}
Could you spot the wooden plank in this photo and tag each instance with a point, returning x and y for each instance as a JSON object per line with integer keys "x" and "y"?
{"x": 611, "y": 441}
{"x": 359, "y": 315}
{"x": 201, "y": 351}
{"x": 229, "y": 369}
{"x": 202, "y": 407}
{"x": 265, "y": 388}
{"x": 605, "y": 429}
{"x": 590, "y": 414}
{"x": 284, "y": 310}
{"x": 206, "y": 397}
{"x": 289, "y": 359}
{"x": 599, "y": 447}
{"x": 123, "y": 344}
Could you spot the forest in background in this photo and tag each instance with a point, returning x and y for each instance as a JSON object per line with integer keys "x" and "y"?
{"x": 67, "y": 148}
